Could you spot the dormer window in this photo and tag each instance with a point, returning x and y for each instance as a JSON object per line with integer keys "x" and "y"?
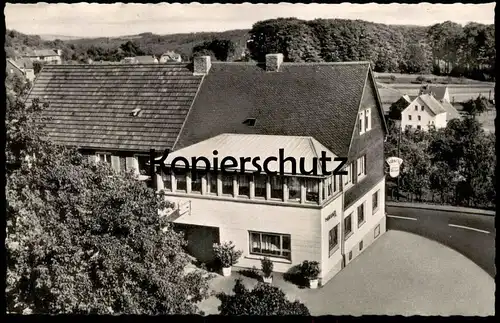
{"x": 136, "y": 112}
{"x": 250, "y": 122}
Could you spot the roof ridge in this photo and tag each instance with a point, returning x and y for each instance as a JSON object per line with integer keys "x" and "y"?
{"x": 259, "y": 134}
{"x": 297, "y": 63}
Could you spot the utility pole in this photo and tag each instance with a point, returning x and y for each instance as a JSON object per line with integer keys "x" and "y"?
{"x": 399, "y": 142}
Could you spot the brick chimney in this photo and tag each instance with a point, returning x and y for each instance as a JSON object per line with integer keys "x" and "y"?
{"x": 201, "y": 65}
{"x": 273, "y": 62}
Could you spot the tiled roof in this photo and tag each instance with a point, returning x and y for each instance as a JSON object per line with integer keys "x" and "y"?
{"x": 451, "y": 112}
{"x": 41, "y": 52}
{"x": 437, "y": 91}
{"x": 262, "y": 146}
{"x": 91, "y": 105}
{"x": 24, "y": 63}
{"x": 320, "y": 100}
{"x": 433, "y": 104}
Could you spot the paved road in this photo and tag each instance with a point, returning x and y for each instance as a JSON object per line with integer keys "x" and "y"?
{"x": 471, "y": 235}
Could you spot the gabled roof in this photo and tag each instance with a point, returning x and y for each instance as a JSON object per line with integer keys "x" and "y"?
{"x": 437, "y": 91}
{"x": 451, "y": 112}
{"x": 431, "y": 103}
{"x": 91, "y": 105}
{"x": 262, "y": 146}
{"x": 41, "y": 52}
{"x": 145, "y": 59}
{"x": 24, "y": 63}
{"x": 320, "y": 100}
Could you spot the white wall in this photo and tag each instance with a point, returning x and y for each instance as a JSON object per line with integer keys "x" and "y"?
{"x": 426, "y": 116}
{"x": 234, "y": 219}
{"x": 441, "y": 120}
{"x": 330, "y": 265}
{"x": 365, "y": 232}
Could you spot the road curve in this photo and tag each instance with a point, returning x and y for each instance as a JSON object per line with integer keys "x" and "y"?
{"x": 471, "y": 235}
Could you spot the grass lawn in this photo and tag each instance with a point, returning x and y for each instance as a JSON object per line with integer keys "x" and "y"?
{"x": 409, "y": 78}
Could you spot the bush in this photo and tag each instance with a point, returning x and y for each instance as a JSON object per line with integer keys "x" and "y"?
{"x": 267, "y": 267}
{"x": 310, "y": 269}
{"x": 393, "y": 78}
{"x": 227, "y": 254}
{"x": 264, "y": 299}
{"x": 421, "y": 78}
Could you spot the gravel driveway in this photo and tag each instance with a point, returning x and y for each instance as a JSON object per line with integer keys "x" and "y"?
{"x": 400, "y": 274}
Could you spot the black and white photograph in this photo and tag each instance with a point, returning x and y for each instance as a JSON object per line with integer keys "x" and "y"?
{"x": 250, "y": 159}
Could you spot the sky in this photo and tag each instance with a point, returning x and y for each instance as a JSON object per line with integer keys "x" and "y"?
{"x": 109, "y": 20}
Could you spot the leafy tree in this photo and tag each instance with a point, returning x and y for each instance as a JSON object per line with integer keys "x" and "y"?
{"x": 476, "y": 107}
{"x": 220, "y": 49}
{"x": 37, "y": 66}
{"x": 415, "y": 60}
{"x": 83, "y": 239}
{"x": 131, "y": 49}
{"x": 264, "y": 299}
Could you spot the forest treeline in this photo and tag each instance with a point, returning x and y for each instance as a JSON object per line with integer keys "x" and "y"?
{"x": 443, "y": 49}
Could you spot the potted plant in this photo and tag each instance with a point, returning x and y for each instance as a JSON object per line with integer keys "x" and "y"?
{"x": 227, "y": 255}
{"x": 267, "y": 270}
{"x": 310, "y": 271}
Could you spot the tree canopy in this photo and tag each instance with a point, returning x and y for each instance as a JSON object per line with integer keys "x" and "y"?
{"x": 84, "y": 239}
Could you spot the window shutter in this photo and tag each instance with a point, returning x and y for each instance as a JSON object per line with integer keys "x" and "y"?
{"x": 368, "y": 119}
{"x": 123, "y": 164}
{"x": 115, "y": 163}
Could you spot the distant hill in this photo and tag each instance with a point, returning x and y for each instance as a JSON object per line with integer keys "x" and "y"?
{"x": 159, "y": 44}
{"x": 60, "y": 37}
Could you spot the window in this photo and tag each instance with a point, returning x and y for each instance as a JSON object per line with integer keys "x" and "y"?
{"x": 260, "y": 185}
{"x": 419, "y": 127}
{"x": 167, "y": 181}
{"x": 361, "y": 214}
{"x": 293, "y": 189}
{"x": 181, "y": 181}
{"x": 333, "y": 240}
{"x": 142, "y": 162}
{"x": 375, "y": 201}
{"x": 276, "y": 187}
{"x": 123, "y": 164}
{"x": 422, "y": 109}
{"x": 227, "y": 184}
{"x": 416, "y": 108}
{"x": 250, "y": 122}
{"x": 348, "y": 177}
{"x": 409, "y": 117}
{"x": 368, "y": 120}
{"x": 347, "y": 226}
{"x": 361, "y": 163}
{"x": 196, "y": 183}
{"x": 212, "y": 183}
{"x": 329, "y": 186}
{"x": 361, "y": 245}
{"x": 376, "y": 232}
{"x": 312, "y": 190}
{"x": 352, "y": 173}
{"x": 270, "y": 244}
{"x": 361, "y": 125}
{"x": 104, "y": 157}
{"x": 244, "y": 185}
{"x": 350, "y": 255}
{"x": 419, "y": 118}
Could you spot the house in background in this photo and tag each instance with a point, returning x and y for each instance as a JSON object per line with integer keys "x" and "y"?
{"x": 423, "y": 112}
{"x": 51, "y": 56}
{"x": 170, "y": 56}
{"x": 242, "y": 109}
{"x": 22, "y": 67}
{"x": 253, "y": 110}
{"x": 440, "y": 93}
{"x": 148, "y": 59}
